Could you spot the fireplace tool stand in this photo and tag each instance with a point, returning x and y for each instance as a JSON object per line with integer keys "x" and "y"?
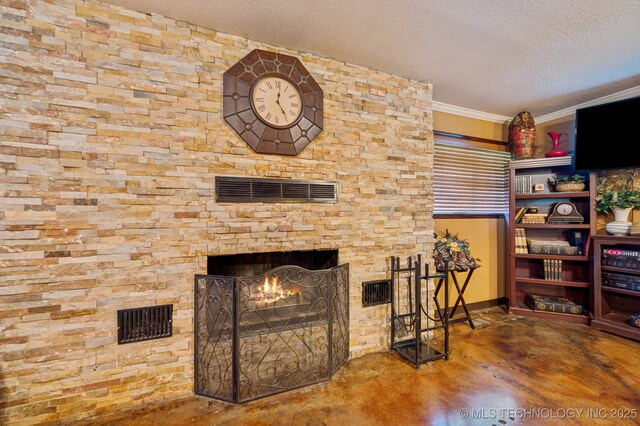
{"x": 415, "y": 335}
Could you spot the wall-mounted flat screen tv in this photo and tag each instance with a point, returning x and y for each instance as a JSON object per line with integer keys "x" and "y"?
{"x": 607, "y": 135}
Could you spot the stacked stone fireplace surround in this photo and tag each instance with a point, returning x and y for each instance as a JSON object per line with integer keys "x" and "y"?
{"x": 111, "y": 133}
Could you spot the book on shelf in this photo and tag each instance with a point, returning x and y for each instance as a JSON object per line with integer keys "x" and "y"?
{"x": 547, "y": 269}
{"x": 625, "y": 253}
{"x": 577, "y": 238}
{"x": 561, "y": 305}
{"x": 520, "y": 241}
{"x": 561, "y": 243}
{"x": 523, "y": 185}
{"x": 626, "y": 282}
{"x": 553, "y": 249}
{"x": 623, "y": 262}
{"x": 519, "y": 213}
{"x": 534, "y": 218}
{"x": 552, "y": 269}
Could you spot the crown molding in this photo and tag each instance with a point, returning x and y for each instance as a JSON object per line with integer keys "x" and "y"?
{"x": 470, "y": 113}
{"x": 625, "y": 94}
{"x": 500, "y": 119}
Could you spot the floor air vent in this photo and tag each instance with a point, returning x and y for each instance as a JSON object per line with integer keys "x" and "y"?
{"x": 376, "y": 292}
{"x": 138, "y": 324}
{"x": 249, "y": 190}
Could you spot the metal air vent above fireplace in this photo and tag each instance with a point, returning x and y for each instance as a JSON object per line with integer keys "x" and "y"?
{"x": 251, "y": 190}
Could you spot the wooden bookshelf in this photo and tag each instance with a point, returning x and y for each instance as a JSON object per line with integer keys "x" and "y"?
{"x": 526, "y": 271}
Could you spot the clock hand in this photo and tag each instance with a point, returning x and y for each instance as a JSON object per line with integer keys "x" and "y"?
{"x": 278, "y": 102}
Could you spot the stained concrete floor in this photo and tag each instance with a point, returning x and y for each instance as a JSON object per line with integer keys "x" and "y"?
{"x": 509, "y": 370}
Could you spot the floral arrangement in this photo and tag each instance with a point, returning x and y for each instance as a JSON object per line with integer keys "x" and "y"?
{"x": 450, "y": 247}
{"x": 618, "y": 191}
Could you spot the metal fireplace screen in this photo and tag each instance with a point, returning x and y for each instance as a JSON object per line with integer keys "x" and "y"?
{"x": 262, "y": 335}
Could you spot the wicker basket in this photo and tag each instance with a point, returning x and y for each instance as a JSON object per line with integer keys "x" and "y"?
{"x": 570, "y": 186}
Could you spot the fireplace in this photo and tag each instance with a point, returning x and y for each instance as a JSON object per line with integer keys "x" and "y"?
{"x": 266, "y": 323}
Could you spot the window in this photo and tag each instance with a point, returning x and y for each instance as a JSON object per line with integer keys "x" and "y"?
{"x": 470, "y": 180}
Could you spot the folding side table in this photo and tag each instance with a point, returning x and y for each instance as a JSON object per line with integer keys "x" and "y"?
{"x": 460, "y": 298}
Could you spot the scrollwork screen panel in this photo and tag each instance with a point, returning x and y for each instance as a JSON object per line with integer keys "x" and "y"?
{"x": 254, "y": 339}
{"x": 283, "y": 344}
{"x": 339, "y": 316}
{"x": 214, "y": 349}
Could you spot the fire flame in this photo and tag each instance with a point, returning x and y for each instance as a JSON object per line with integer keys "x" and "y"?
{"x": 272, "y": 291}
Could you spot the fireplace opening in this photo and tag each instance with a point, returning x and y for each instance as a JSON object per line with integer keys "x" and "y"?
{"x": 247, "y": 264}
{"x": 269, "y": 322}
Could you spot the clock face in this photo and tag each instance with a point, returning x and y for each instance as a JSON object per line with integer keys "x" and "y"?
{"x": 564, "y": 209}
{"x": 276, "y": 101}
{"x": 273, "y": 103}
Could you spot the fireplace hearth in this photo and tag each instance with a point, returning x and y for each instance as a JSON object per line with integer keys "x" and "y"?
{"x": 274, "y": 330}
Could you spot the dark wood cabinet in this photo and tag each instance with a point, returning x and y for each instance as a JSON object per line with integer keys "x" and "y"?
{"x": 526, "y": 271}
{"x": 614, "y": 304}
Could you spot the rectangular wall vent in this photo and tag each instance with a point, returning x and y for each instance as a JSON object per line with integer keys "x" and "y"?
{"x": 376, "y": 292}
{"x": 138, "y": 324}
{"x": 252, "y": 190}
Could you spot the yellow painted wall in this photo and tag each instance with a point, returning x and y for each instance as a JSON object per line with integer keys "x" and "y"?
{"x": 486, "y": 236}
{"x": 487, "y": 241}
{"x": 451, "y": 123}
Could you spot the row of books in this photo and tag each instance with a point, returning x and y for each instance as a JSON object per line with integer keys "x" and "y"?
{"x": 534, "y": 218}
{"x": 561, "y": 305}
{"x": 617, "y": 261}
{"x": 532, "y": 246}
{"x": 529, "y": 215}
{"x": 552, "y": 269}
{"x": 521, "y": 241}
{"x": 627, "y": 282}
{"x": 624, "y": 253}
{"x": 524, "y": 184}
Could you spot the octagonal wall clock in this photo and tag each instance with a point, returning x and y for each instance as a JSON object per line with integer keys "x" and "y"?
{"x": 273, "y": 103}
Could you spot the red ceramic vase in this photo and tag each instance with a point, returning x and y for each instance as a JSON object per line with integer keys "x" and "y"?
{"x": 556, "y": 151}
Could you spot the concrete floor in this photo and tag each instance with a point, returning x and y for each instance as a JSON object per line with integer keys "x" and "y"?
{"x": 510, "y": 370}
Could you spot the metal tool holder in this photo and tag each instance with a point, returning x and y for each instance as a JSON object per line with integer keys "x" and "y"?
{"x": 415, "y": 335}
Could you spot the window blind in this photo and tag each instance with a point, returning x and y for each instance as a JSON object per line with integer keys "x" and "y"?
{"x": 470, "y": 180}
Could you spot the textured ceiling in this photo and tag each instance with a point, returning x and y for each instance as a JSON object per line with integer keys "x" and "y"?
{"x": 494, "y": 56}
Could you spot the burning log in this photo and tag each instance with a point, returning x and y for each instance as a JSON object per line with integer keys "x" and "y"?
{"x": 272, "y": 291}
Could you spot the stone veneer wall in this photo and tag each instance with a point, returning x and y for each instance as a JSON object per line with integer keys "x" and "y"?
{"x": 111, "y": 134}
